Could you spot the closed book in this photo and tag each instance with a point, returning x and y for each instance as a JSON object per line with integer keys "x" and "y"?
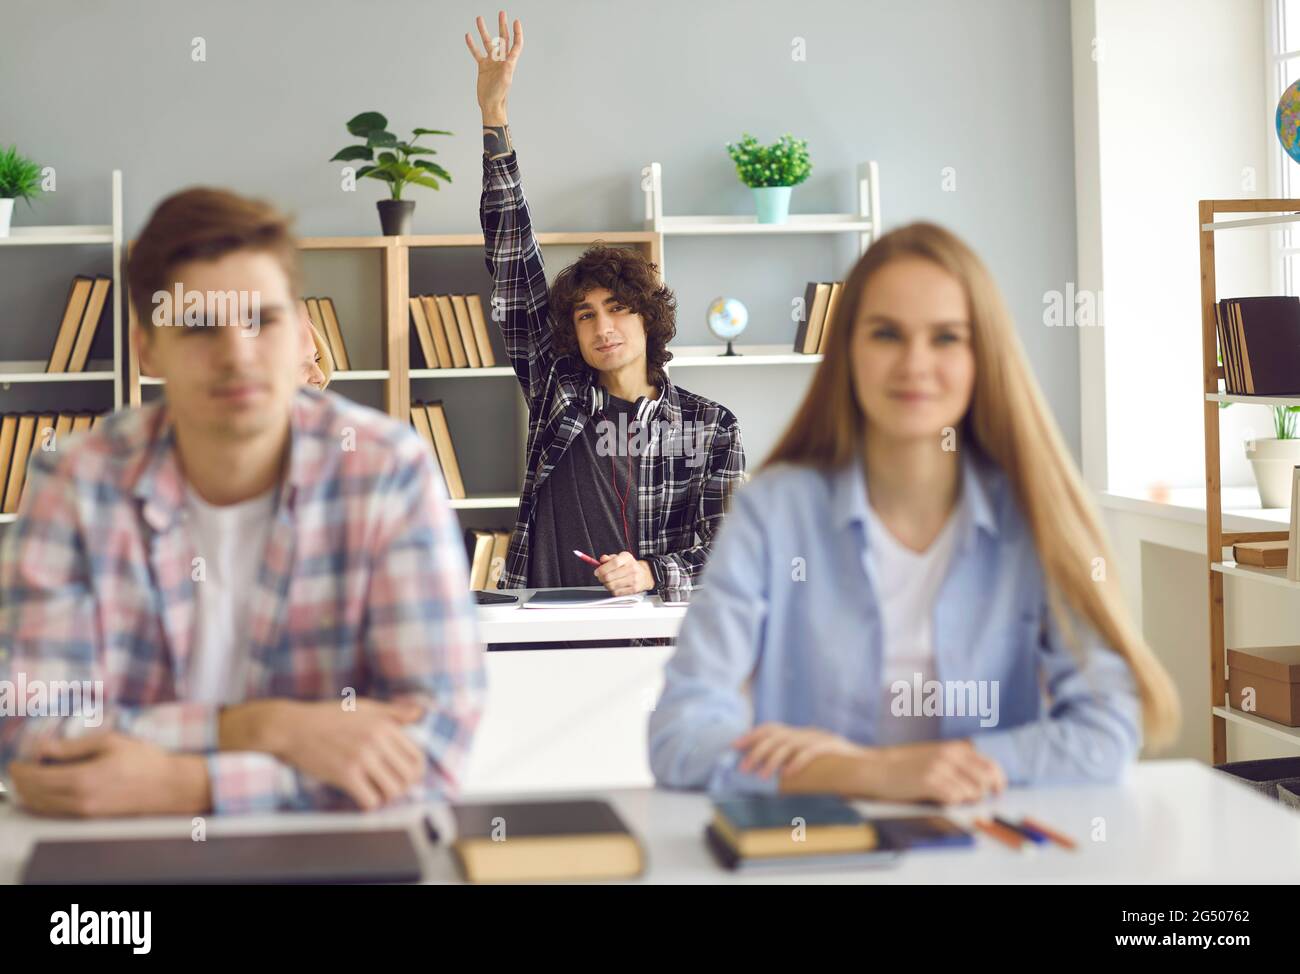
{"x": 480, "y": 557}
{"x": 1261, "y": 554}
{"x": 43, "y": 440}
{"x": 792, "y": 825}
{"x": 23, "y": 438}
{"x": 449, "y": 354}
{"x": 74, "y": 310}
{"x": 313, "y": 312}
{"x": 446, "y": 452}
{"x": 89, "y": 324}
{"x": 446, "y": 312}
{"x": 82, "y": 421}
{"x": 1221, "y": 328}
{"x": 1269, "y": 332}
{"x": 500, "y": 548}
{"x": 62, "y": 429}
{"x": 802, "y": 330}
{"x": 539, "y": 841}
{"x": 481, "y": 334}
{"x": 334, "y": 334}
{"x": 423, "y": 344}
{"x": 821, "y": 296}
{"x": 836, "y": 288}
{"x": 8, "y": 431}
{"x": 466, "y": 327}
{"x": 731, "y": 859}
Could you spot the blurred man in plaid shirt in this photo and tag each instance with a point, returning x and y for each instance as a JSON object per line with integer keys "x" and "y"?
{"x": 264, "y": 582}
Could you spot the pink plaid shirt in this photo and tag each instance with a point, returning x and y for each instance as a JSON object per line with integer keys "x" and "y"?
{"x": 363, "y": 585}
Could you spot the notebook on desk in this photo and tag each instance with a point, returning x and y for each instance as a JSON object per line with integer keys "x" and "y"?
{"x": 386, "y": 856}
{"x": 593, "y": 597}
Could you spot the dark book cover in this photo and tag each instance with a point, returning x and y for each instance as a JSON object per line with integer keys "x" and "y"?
{"x": 1270, "y": 333}
{"x": 531, "y": 819}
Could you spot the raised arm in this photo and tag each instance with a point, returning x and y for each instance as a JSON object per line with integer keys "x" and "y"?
{"x": 519, "y": 299}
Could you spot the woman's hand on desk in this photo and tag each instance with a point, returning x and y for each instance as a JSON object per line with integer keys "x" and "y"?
{"x": 809, "y": 759}
{"x": 948, "y": 772}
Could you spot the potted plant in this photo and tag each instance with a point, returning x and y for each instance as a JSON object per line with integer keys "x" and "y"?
{"x": 771, "y": 171}
{"x": 20, "y": 179}
{"x": 391, "y": 160}
{"x": 1273, "y": 459}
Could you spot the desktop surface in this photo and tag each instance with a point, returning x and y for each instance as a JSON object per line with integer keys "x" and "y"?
{"x": 1165, "y": 822}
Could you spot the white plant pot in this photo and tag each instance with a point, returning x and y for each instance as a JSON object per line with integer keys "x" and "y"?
{"x": 1273, "y": 461}
{"x": 6, "y": 214}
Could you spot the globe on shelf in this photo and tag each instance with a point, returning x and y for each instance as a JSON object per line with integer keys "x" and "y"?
{"x": 1288, "y": 121}
{"x": 727, "y": 318}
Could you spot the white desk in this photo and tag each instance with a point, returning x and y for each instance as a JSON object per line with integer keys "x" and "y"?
{"x": 1168, "y": 822}
{"x": 650, "y": 619}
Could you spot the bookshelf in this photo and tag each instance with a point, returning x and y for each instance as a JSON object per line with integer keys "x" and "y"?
{"x": 29, "y": 373}
{"x": 1218, "y": 567}
{"x": 392, "y": 316}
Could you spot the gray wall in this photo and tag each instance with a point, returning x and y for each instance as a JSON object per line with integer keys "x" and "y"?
{"x": 603, "y": 89}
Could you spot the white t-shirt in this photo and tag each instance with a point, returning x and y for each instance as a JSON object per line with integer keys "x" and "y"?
{"x": 908, "y": 583}
{"x": 231, "y": 540}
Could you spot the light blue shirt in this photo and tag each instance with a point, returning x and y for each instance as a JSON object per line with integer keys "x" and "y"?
{"x": 787, "y": 628}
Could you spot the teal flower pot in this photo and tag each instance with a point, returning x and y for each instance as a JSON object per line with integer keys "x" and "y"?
{"x": 772, "y": 203}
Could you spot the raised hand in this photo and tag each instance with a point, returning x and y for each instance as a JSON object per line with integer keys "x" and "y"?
{"x": 496, "y": 66}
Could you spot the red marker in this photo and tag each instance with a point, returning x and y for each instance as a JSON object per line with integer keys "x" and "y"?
{"x": 587, "y": 558}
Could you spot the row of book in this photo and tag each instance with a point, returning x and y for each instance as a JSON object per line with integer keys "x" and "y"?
{"x": 1259, "y": 340}
{"x": 81, "y": 313}
{"x": 21, "y": 435}
{"x": 430, "y": 421}
{"x": 487, "y": 556}
{"x": 450, "y": 332}
{"x": 819, "y": 300}
{"x": 571, "y": 839}
{"x": 325, "y": 318}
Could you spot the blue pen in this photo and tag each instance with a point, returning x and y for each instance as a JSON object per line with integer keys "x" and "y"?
{"x": 1032, "y": 834}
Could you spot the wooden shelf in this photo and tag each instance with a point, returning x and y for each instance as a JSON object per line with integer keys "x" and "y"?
{"x": 486, "y": 502}
{"x": 31, "y": 371}
{"x": 1253, "y": 400}
{"x": 690, "y": 356}
{"x": 54, "y": 236}
{"x": 718, "y": 226}
{"x": 562, "y": 238}
{"x": 351, "y": 375}
{"x": 496, "y": 370}
{"x": 1273, "y": 576}
{"x": 1270, "y": 727}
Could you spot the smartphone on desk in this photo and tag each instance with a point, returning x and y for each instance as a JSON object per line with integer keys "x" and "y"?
{"x": 921, "y": 832}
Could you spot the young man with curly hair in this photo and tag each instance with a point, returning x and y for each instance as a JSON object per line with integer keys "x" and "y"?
{"x": 622, "y": 464}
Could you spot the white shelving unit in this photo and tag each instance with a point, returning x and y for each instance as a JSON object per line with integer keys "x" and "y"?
{"x": 79, "y": 235}
{"x": 32, "y": 373}
{"x": 865, "y": 223}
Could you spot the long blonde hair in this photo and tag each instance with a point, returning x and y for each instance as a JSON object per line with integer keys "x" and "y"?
{"x": 326, "y": 363}
{"x": 1009, "y": 420}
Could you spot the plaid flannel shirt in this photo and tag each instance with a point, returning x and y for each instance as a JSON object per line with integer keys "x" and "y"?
{"x": 362, "y": 586}
{"x": 681, "y": 498}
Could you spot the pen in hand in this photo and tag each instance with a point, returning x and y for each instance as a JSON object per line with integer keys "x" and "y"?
{"x": 587, "y": 558}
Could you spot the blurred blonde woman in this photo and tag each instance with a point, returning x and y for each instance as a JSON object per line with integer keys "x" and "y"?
{"x": 317, "y": 363}
{"x": 914, "y": 599}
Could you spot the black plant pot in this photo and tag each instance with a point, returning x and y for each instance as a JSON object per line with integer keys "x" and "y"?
{"x": 395, "y": 216}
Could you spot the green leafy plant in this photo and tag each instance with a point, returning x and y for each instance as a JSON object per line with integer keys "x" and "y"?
{"x": 1284, "y": 421}
{"x": 783, "y": 163}
{"x": 391, "y": 158}
{"x": 20, "y": 178}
